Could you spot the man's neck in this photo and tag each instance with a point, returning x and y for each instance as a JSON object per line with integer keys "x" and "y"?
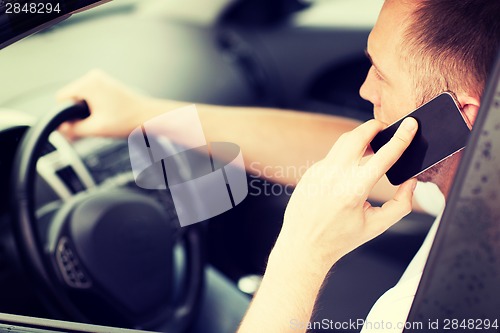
{"x": 446, "y": 176}
{"x": 445, "y": 189}
{"x": 445, "y": 182}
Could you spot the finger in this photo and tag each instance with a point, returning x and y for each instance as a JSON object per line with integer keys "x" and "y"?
{"x": 80, "y": 128}
{"x": 70, "y": 130}
{"x": 88, "y": 127}
{"x": 77, "y": 89}
{"x": 352, "y": 145}
{"x": 66, "y": 130}
{"x": 379, "y": 219}
{"x": 392, "y": 150}
{"x": 71, "y": 92}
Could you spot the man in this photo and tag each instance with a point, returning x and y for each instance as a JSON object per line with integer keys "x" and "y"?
{"x": 418, "y": 49}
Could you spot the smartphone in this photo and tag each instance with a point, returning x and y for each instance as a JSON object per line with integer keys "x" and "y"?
{"x": 442, "y": 131}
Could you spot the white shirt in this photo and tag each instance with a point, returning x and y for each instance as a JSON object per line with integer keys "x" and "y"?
{"x": 391, "y": 310}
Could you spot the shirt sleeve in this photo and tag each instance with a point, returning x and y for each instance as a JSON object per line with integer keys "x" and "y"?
{"x": 430, "y": 198}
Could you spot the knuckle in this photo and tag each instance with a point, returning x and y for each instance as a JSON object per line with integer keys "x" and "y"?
{"x": 351, "y": 204}
{"x": 405, "y": 207}
{"x": 404, "y": 139}
{"x": 375, "y": 122}
{"x": 316, "y": 170}
{"x": 371, "y": 122}
{"x": 344, "y": 137}
{"x": 343, "y": 140}
{"x": 95, "y": 74}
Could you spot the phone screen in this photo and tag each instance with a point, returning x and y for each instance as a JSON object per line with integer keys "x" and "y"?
{"x": 442, "y": 131}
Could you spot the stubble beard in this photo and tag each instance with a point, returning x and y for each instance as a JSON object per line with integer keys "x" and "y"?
{"x": 431, "y": 175}
{"x": 442, "y": 173}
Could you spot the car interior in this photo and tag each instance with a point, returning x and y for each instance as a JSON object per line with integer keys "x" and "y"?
{"x": 70, "y": 247}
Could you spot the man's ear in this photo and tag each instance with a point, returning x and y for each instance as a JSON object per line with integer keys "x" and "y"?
{"x": 470, "y": 107}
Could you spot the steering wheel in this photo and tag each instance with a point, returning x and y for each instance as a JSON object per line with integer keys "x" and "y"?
{"x": 107, "y": 256}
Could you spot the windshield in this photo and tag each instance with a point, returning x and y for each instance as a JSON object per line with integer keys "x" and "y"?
{"x": 19, "y": 19}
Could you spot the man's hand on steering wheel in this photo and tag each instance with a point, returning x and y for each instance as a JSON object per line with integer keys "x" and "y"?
{"x": 115, "y": 108}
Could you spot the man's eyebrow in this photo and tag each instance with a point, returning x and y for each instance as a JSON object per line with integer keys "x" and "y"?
{"x": 373, "y": 64}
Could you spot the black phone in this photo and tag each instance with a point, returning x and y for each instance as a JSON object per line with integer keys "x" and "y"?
{"x": 442, "y": 131}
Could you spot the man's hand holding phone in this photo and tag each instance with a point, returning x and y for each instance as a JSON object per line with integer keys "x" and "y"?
{"x": 443, "y": 131}
{"x": 328, "y": 215}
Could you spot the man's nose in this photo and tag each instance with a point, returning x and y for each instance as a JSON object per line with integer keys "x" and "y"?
{"x": 368, "y": 90}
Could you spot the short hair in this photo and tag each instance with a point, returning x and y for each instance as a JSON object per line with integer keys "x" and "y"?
{"x": 452, "y": 45}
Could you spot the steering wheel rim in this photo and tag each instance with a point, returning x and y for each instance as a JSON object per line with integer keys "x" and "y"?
{"x": 31, "y": 246}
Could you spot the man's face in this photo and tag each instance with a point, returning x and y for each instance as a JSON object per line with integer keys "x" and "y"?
{"x": 389, "y": 84}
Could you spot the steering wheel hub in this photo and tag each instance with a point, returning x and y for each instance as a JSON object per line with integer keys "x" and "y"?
{"x": 119, "y": 242}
